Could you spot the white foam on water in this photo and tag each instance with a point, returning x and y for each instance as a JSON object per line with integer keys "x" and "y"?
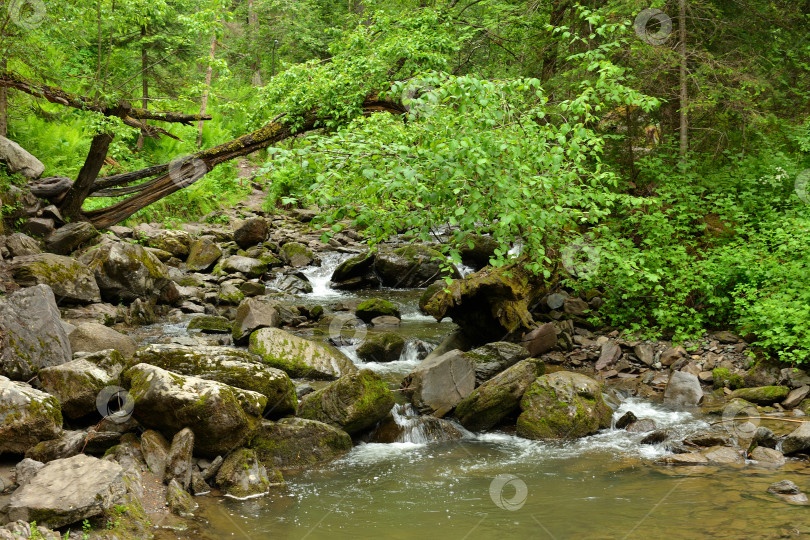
{"x": 319, "y": 276}
{"x": 408, "y": 360}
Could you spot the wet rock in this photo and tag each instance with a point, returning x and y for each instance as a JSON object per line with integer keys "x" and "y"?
{"x": 798, "y": 440}
{"x": 694, "y": 458}
{"x": 70, "y": 281}
{"x": 767, "y": 457}
{"x": 683, "y": 390}
{"x": 298, "y": 356}
{"x": 724, "y": 378}
{"x": 179, "y": 501}
{"x": 19, "y": 244}
{"x": 69, "y": 490}
{"x": 784, "y": 487}
{"x": 294, "y": 284}
{"x": 626, "y": 419}
{"x": 540, "y": 340}
{"x": 353, "y": 403}
{"x": 155, "y": 450}
{"x": 385, "y": 347}
{"x": 296, "y": 255}
{"x": 764, "y": 437}
{"x": 77, "y": 384}
{"x": 251, "y": 315}
{"x": 221, "y": 416}
{"x": 296, "y": 443}
{"x": 356, "y": 273}
{"x": 32, "y": 335}
{"x": 210, "y": 324}
{"x": 386, "y": 320}
{"x": 230, "y": 366}
{"x": 412, "y": 266}
{"x": 203, "y": 254}
{"x": 405, "y": 425}
{"x": 490, "y": 304}
{"x": 94, "y": 337}
{"x": 253, "y": 231}
{"x": 438, "y": 384}
{"x": 178, "y": 460}
{"x": 498, "y": 397}
{"x": 126, "y": 272}
{"x": 763, "y": 395}
{"x": 562, "y": 405}
{"x": 27, "y": 416}
{"x": 65, "y": 240}
{"x": 708, "y": 439}
{"x": 252, "y": 288}
{"x": 251, "y": 268}
{"x": 657, "y": 436}
{"x": 19, "y": 160}
{"x": 243, "y": 475}
{"x": 198, "y": 484}
{"x": 795, "y": 397}
{"x": 642, "y": 426}
{"x": 723, "y": 455}
{"x": 376, "y": 307}
{"x": 608, "y": 356}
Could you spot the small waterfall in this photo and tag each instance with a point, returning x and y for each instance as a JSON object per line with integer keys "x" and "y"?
{"x": 318, "y": 276}
{"x": 409, "y": 427}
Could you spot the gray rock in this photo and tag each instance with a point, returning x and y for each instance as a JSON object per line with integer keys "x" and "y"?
{"x": 253, "y": 231}
{"x": 298, "y": 443}
{"x": 493, "y": 358}
{"x": 294, "y": 284}
{"x": 92, "y": 337}
{"x": 155, "y": 449}
{"x": 438, "y": 384}
{"x": 67, "y": 445}
{"x": 683, "y": 390}
{"x": 298, "y": 356}
{"x": 798, "y": 440}
{"x": 69, "y": 490}
{"x": 764, "y": 437}
{"x": 179, "y": 501}
{"x": 19, "y": 244}
{"x": 38, "y": 226}
{"x": 385, "y": 347}
{"x": 608, "y": 356}
{"x": 32, "y": 334}
{"x": 203, "y": 254}
{"x": 221, "y": 416}
{"x": 723, "y": 455}
{"x": 69, "y": 280}
{"x": 27, "y": 416}
{"x": 26, "y": 469}
{"x": 65, "y": 240}
{"x": 243, "y": 475}
{"x": 356, "y": 273}
{"x": 18, "y": 160}
{"x": 645, "y": 353}
{"x": 767, "y": 457}
{"x": 248, "y": 266}
{"x": 784, "y": 487}
{"x": 795, "y": 397}
{"x": 251, "y": 315}
{"x": 541, "y": 339}
{"x": 412, "y": 266}
{"x": 173, "y": 241}
{"x": 126, "y": 272}
{"x": 178, "y": 461}
{"x": 296, "y": 255}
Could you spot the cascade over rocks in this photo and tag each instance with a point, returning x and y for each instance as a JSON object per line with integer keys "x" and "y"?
{"x": 356, "y": 273}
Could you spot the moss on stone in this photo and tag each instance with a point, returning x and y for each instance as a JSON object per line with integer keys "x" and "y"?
{"x": 375, "y": 307}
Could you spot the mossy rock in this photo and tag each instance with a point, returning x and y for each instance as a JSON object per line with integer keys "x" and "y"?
{"x": 296, "y": 254}
{"x": 77, "y": 384}
{"x": 375, "y": 307}
{"x": 229, "y": 293}
{"x": 386, "y": 347}
{"x": 297, "y": 443}
{"x": 356, "y": 273}
{"x": 210, "y": 324}
{"x": 762, "y": 395}
{"x": 563, "y": 405}
{"x": 243, "y": 475}
{"x": 70, "y": 280}
{"x": 353, "y": 403}
{"x": 297, "y": 356}
{"x": 724, "y": 378}
{"x": 203, "y": 254}
{"x": 27, "y": 416}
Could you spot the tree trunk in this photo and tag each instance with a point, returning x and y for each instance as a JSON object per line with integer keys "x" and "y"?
{"x": 144, "y": 84}
{"x": 684, "y": 97}
{"x": 208, "y": 75}
{"x": 253, "y": 27}
{"x": 3, "y": 105}
{"x": 71, "y": 206}
{"x": 558, "y": 9}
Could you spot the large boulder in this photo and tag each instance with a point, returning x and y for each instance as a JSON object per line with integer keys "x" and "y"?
{"x": 353, "y": 403}
{"x": 762, "y": 395}
{"x": 31, "y": 333}
{"x": 495, "y": 357}
{"x": 296, "y": 255}
{"x": 798, "y": 440}
{"x": 683, "y": 390}
{"x": 173, "y": 241}
{"x": 376, "y": 307}
{"x": 242, "y": 475}
{"x": 65, "y": 240}
{"x": 27, "y": 416}
{"x": 385, "y": 347}
{"x": 125, "y": 272}
{"x": 91, "y": 337}
{"x": 562, "y": 405}
{"x": 498, "y": 397}
{"x": 251, "y": 315}
{"x": 490, "y": 304}
{"x": 18, "y": 160}
{"x": 19, "y": 244}
{"x": 67, "y": 491}
{"x": 69, "y": 280}
{"x": 298, "y": 443}
{"x": 438, "y": 384}
{"x": 253, "y": 231}
{"x": 227, "y": 365}
{"x": 221, "y": 416}
{"x": 297, "y": 356}
{"x": 412, "y": 266}
{"x": 248, "y": 266}
{"x": 203, "y": 254}
{"x": 77, "y": 384}
{"x": 356, "y": 273}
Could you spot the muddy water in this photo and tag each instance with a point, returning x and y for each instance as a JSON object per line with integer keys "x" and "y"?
{"x": 501, "y": 486}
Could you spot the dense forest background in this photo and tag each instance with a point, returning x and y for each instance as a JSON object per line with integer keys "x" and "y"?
{"x": 657, "y": 151}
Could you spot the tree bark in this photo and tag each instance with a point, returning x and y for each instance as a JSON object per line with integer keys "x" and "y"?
{"x": 208, "y": 74}
{"x": 684, "y": 96}
{"x": 71, "y": 206}
{"x": 3, "y": 105}
{"x": 144, "y": 85}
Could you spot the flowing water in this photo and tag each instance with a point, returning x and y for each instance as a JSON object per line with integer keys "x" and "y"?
{"x": 501, "y": 486}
